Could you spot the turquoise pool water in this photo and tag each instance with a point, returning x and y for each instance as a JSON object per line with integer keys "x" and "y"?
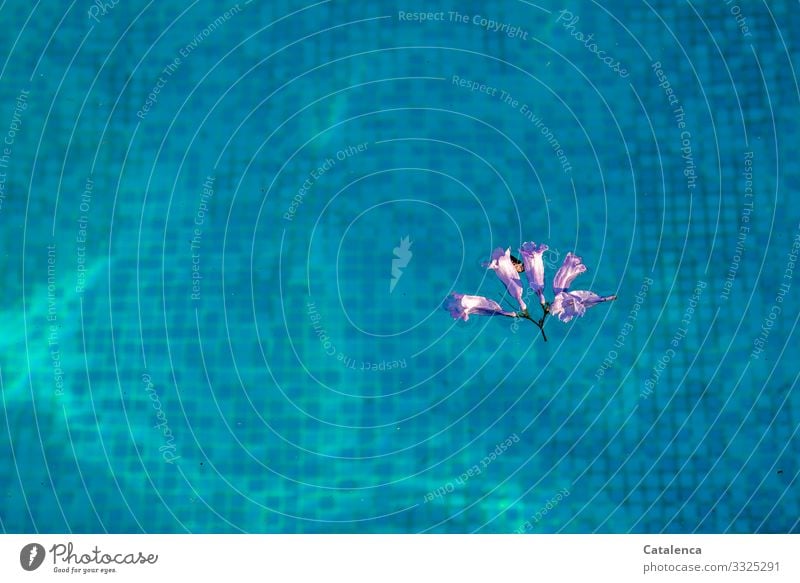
{"x": 228, "y": 230}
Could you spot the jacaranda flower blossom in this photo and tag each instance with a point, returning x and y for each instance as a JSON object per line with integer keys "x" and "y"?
{"x": 569, "y": 270}
{"x": 565, "y": 306}
{"x": 508, "y": 274}
{"x": 568, "y": 305}
{"x": 461, "y": 306}
{"x": 534, "y": 267}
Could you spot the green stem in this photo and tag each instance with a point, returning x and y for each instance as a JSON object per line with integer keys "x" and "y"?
{"x": 540, "y": 323}
{"x": 545, "y": 312}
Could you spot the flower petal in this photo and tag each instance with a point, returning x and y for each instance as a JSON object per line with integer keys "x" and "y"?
{"x": 569, "y": 270}
{"x": 534, "y": 266}
{"x": 568, "y": 305}
{"x": 508, "y": 274}
{"x": 461, "y": 306}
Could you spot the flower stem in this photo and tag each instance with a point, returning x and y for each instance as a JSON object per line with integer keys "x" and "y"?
{"x": 545, "y": 312}
{"x": 539, "y": 323}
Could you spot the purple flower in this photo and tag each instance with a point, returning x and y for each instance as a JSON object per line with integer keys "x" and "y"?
{"x": 569, "y": 270}
{"x": 534, "y": 266}
{"x": 565, "y": 306}
{"x": 461, "y": 306}
{"x": 568, "y": 305}
{"x": 508, "y": 274}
